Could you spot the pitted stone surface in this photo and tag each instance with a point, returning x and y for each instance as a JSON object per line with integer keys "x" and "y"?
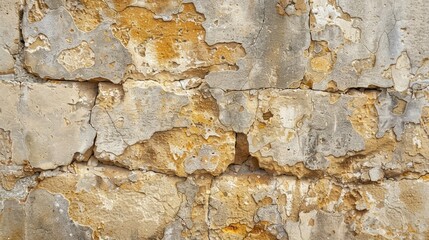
{"x": 295, "y": 126}
{"x": 143, "y": 125}
{"x": 273, "y": 57}
{"x": 214, "y": 119}
{"x": 263, "y": 207}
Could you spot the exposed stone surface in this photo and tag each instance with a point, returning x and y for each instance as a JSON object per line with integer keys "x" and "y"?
{"x": 143, "y": 125}
{"x": 34, "y": 115}
{"x": 42, "y": 214}
{"x": 107, "y": 40}
{"x": 295, "y": 126}
{"x": 273, "y": 56}
{"x": 65, "y": 52}
{"x": 9, "y": 32}
{"x": 263, "y": 207}
{"x": 103, "y": 197}
{"x": 226, "y": 119}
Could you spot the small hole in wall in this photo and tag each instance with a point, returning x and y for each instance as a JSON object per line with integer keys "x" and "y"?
{"x": 267, "y": 115}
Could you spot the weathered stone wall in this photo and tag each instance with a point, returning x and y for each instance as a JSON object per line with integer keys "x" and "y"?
{"x": 214, "y": 119}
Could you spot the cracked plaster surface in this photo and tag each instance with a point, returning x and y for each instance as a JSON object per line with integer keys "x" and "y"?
{"x": 256, "y": 119}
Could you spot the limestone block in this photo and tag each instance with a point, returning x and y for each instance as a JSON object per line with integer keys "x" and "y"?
{"x": 120, "y": 204}
{"x": 263, "y": 207}
{"x": 41, "y": 215}
{"x": 374, "y": 43}
{"x": 9, "y": 32}
{"x": 302, "y": 127}
{"x": 114, "y": 40}
{"x": 274, "y": 43}
{"x": 394, "y": 129}
{"x": 237, "y": 109}
{"x": 64, "y": 51}
{"x": 145, "y": 125}
{"x": 46, "y": 124}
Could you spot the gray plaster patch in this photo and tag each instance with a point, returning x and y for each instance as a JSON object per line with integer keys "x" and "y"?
{"x": 274, "y": 57}
{"x": 108, "y": 57}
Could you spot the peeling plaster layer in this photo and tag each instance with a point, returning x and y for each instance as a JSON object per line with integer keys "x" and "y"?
{"x": 255, "y": 119}
{"x": 114, "y": 40}
{"x": 262, "y": 207}
{"x": 42, "y": 214}
{"x": 385, "y": 30}
{"x": 143, "y": 125}
{"x": 273, "y": 57}
{"x": 253, "y": 205}
{"x": 108, "y": 57}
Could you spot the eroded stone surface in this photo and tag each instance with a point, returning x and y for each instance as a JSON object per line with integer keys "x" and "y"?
{"x": 256, "y": 119}
{"x": 368, "y": 38}
{"x": 40, "y": 119}
{"x": 295, "y": 126}
{"x": 143, "y": 125}
{"x": 113, "y": 39}
{"x": 100, "y": 197}
{"x": 9, "y": 32}
{"x": 42, "y": 214}
{"x": 72, "y": 54}
{"x": 264, "y": 207}
{"x": 273, "y": 56}
{"x": 237, "y": 110}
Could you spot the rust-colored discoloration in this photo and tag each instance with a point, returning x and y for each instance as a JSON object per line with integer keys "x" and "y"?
{"x": 172, "y": 151}
{"x": 365, "y": 121}
{"x": 87, "y": 14}
{"x": 260, "y": 232}
{"x": 37, "y": 11}
{"x": 120, "y": 5}
{"x": 161, "y": 49}
{"x": 291, "y": 7}
{"x": 321, "y": 64}
{"x": 299, "y": 170}
{"x": 361, "y": 65}
{"x": 185, "y": 30}
{"x": 235, "y": 229}
{"x": 411, "y": 196}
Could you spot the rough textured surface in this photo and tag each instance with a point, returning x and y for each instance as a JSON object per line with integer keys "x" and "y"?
{"x": 295, "y": 126}
{"x": 226, "y": 119}
{"x": 35, "y": 114}
{"x": 263, "y": 207}
{"x": 143, "y": 125}
{"x": 273, "y": 56}
{"x": 43, "y": 214}
{"x": 9, "y": 32}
